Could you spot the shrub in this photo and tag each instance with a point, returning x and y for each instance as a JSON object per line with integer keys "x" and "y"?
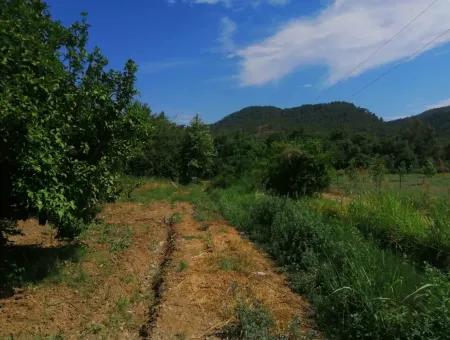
{"x": 297, "y": 172}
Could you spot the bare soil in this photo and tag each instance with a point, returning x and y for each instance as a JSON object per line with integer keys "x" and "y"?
{"x": 213, "y": 268}
{"x": 104, "y": 295}
{"x": 149, "y": 271}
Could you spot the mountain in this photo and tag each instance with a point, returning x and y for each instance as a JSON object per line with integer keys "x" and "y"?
{"x": 324, "y": 118}
{"x": 319, "y": 118}
{"x": 438, "y": 118}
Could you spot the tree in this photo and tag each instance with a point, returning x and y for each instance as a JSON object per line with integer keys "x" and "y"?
{"x": 198, "y": 152}
{"x": 429, "y": 169}
{"x": 160, "y": 152}
{"x": 65, "y": 124}
{"x": 377, "y": 171}
{"x": 297, "y": 172}
{"x": 402, "y": 171}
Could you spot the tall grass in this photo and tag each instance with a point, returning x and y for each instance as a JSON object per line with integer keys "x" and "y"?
{"x": 359, "y": 290}
{"x": 416, "y": 227}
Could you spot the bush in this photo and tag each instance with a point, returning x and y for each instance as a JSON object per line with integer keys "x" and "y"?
{"x": 297, "y": 172}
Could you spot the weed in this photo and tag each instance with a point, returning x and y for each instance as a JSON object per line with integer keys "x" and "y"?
{"x": 123, "y": 242}
{"x": 192, "y": 237}
{"x": 232, "y": 262}
{"x": 209, "y": 241}
{"x": 253, "y": 322}
{"x": 119, "y": 238}
{"x": 182, "y": 266}
{"x": 174, "y": 219}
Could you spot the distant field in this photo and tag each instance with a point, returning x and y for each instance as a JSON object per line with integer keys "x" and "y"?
{"x": 438, "y": 185}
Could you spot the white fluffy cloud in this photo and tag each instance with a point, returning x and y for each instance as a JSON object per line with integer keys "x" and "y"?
{"x": 442, "y": 103}
{"x": 343, "y": 35}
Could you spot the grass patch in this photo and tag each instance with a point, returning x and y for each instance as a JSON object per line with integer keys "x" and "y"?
{"x": 119, "y": 238}
{"x": 396, "y": 221}
{"x": 174, "y": 219}
{"x": 253, "y": 321}
{"x": 358, "y": 289}
{"x": 182, "y": 266}
{"x": 191, "y": 237}
{"x": 411, "y": 184}
{"x": 232, "y": 262}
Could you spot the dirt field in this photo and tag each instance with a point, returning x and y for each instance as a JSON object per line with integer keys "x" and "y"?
{"x": 149, "y": 271}
{"x": 104, "y": 293}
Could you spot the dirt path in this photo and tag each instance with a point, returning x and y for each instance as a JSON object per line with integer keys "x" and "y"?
{"x": 212, "y": 270}
{"x": 144, "y": 270}
{"x": 104, "y": 294}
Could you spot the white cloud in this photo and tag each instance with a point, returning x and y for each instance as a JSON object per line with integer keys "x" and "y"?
{"x": 342, "y": 36}
{"x": 442, "y": 103}
{"x": 227, "y": 30}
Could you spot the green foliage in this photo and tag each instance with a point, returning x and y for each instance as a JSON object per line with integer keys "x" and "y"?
{"x": 198, "y": 153}
{"x": 254, "y": 322}
{"x": 182, "y": 266}
{"x": 159, "y": 155}
{"x": 65, "y": 121}
{"x": 397, "y": 222}
{"x": 297, "y": 172}
{"x": 377, "y": 172}
{"x": 402, "y": 170}
{"x": 237, "y": 156}
{"x": 351, "y": 134}
{"x": 429, "y": 169}
{"x": 320, "y": 118}
{"x": 359, "y": 290}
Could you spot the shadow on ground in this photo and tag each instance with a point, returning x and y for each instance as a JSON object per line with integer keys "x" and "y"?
{"x": 24, "y": 264}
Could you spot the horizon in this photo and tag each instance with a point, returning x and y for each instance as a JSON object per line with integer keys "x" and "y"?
{"x": 216, "y": 57}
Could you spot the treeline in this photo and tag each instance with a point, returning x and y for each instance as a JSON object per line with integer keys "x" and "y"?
{"x": 235, "y": 154}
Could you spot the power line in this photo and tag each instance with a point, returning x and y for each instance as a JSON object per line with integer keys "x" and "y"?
{"x": 414, "y": 55}
{"x": 387, "y": 42}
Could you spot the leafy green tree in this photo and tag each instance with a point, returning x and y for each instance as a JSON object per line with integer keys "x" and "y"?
{"x": 429, "y": 169}
{"x": 298, "y": 172}
{"x": 198, "y": 152}
{"x": 239, "y": 156}
{"x": 160, "y": 152}
{"x": 402, "y": 171}
{"x": 377, "y": 171}
{"x": 65, "y": 124}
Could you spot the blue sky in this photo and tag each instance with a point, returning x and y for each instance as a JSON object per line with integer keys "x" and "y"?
{"x": 214, "y": 57}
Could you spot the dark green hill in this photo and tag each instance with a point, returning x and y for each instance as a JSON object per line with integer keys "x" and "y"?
{"x": 320, "y": 118}
{"x": 439, "y": 119}
{"x": 324, "y": 118}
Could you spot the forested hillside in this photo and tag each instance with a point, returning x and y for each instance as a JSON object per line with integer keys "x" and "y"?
{"x": 320, "y": 118}
{"x": 438, "y": 118}
{"x": 326, "y": 118}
